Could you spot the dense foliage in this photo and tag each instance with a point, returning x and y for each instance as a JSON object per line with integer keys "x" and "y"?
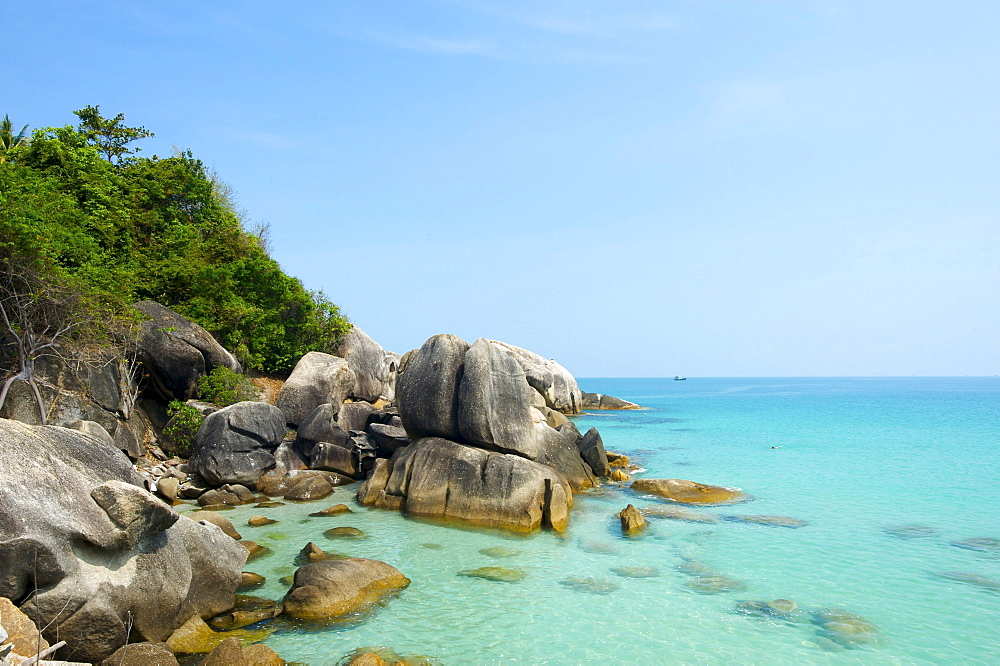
{"x": 125, "y": 228}
{"x": 223, "y": 387}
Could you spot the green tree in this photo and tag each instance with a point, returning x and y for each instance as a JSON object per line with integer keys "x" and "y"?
{"x": 9, "y": 140}
{"x": 111, "y": 136}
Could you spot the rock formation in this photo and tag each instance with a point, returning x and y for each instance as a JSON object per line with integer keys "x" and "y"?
{"x": 317, "y": 379}
{"x": 95, "y": 549}
{"x": 374, "y": 367}
{"x": 236, "y": 444}
{"x": 332, "y": 588}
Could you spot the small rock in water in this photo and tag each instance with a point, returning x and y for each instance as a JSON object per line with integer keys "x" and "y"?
{"x": 589, "y": 584}
{"x": 334, "y": 510}
{"x": 910, "y": 531}
{"x": 500, "y": 551}
{"x": 259, "y": 521}
{"x": 973, "y": 579}
{"x": 250, "y": 580}
{"x": 497, "y": 574}
{"x": 769, "y": 521}
{"x": 989, "y": 545}
{"x": 313, "y": 553}
{"x": 257, "y": 551}
{"x": 269, "y": 504}
{"x": 287, "y": 580}
{"x": 636, "y": 572}
{"x": 380, "y": 656}
{"x": 598, "y": 547}
{"x": 716, "y": 584}
{"x": 344, "y": 533}
{"x": 432, "y": 546}
{"x": 847, "y": 629}
{"x": 631, "y": 520}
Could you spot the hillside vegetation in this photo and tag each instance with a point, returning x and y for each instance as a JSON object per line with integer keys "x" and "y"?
{"x": 78, "y": 206}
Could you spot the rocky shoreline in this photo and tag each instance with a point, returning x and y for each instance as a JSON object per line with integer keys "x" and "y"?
{"x": 94, "y": 553}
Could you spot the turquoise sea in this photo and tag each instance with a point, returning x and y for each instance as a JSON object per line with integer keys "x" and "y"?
{"x": 888, "y": 473}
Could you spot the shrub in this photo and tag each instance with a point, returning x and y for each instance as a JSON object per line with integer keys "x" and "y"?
{"x": 182, "y": 428}
{"x": 224, "y": 387}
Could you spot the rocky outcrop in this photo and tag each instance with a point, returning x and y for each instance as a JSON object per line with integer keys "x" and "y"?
{"x": 333, "y": 588}
{"x": 437, "y": 478}
{"x": 317, "y": 379}
{"x": 177, "y": 352}
{"x": 689, "y": 492}
{"x": 374, "y": 367}
{"x": 95, "y": 551}
{"x": 551, "y": 380}
{"x": 236, "y": 444}
{"x": 632, "y": 520}
{"x": 602, "y": 401}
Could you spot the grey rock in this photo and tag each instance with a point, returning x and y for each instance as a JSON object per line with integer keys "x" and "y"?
{"x": 559, "y": 452}
{"x": 321, "y": 426}
{"x": 427, "y": 387}
{"x": 494, "y": 402}
{"x": 168, "y": 486}
{"x": 177, "y": 352}
{"x": 335, "y": 458}
{"x": 591, "y": 448}
{"x": 235, "y": 444}
{"x": 318, "y": 378}
{"x": 551, "y": 380}
{"x": 96, "y": 549}
{"x": 387, "y": 439}
{"x": 602, "y": 401}
{"x": 354, "y": 415}
{"x": 374, "y": 367}
{"x": 93, "y": 429}
{"x": 436, "y": 478}
{"x": 289, "y": 456}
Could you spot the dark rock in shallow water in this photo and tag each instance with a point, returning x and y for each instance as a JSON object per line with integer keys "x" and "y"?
{"x": 976, "y": 580}
{"x": 989, "y": 545}
{"x": 847, "y": 629}
{"x": 911, "y": 531}
{"x": 636, "y": 572}
{"x": 344, "y": 533}
{"x": 500, "y": 551}
{"x": 497, "y": 574}
{"x": 589, "y": 584}
{"x": 768, "y": 521}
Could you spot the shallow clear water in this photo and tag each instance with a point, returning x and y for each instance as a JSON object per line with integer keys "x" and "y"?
{"x": 854, "y": 457}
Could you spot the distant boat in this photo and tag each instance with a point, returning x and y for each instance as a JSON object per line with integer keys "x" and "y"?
{"x": 678, "y": 378}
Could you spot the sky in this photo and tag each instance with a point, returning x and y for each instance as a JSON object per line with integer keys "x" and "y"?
{"x": 724, "y": 188}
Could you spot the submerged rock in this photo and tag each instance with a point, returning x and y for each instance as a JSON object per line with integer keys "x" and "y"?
{"x": 990, "y": 545}
{"x": 498, "y": 574}
{"x": 344, "y": 532}
{"x": 780, "y": 609}
{"x": 598, "y": 547}
{"x": 976, "y": 580}
{"x": 679, "y": 513}
{"x": 689, "y": 492}
{"x": 768, "y": 521}
{"x": 911, "y": 531}
{"x": 335, "y": 510}
{"x": 636, "y": 572}
{"x": 715, "y": 584}
{"x": 847, "y": 629}
{"x": 500, "y": 551}
{"x": 589, "y": 584}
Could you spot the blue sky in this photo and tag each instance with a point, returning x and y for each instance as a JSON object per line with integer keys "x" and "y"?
{"x": 734, "y": 188}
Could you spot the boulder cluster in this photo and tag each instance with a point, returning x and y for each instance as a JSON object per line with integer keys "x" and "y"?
{"x": 89, "y": 541}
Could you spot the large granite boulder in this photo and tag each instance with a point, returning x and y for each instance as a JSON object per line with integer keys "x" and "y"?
{"x": 494, "y": 402}
{"x": 93, "y": 552}
{"x": 689, "y": 492}
{"x": 353, "y": 415}
{"x": 321, "y": 426}
{"x": 178, "y": 352}
{"x": 437, "y": 478}
{"x": 374, "y": 367}
{"x": 559, "y": 451}
{"x": 551, "y": 380}
{"x": 236, "y": 443}
{"x": 604, "y": 401}
{"x": 317, "y": 379}
{"x": 427, "y": 387}
{"x": 330, "y": 589}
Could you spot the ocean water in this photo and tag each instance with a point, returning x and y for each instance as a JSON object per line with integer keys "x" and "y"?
{"x": 887, "y": 473}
